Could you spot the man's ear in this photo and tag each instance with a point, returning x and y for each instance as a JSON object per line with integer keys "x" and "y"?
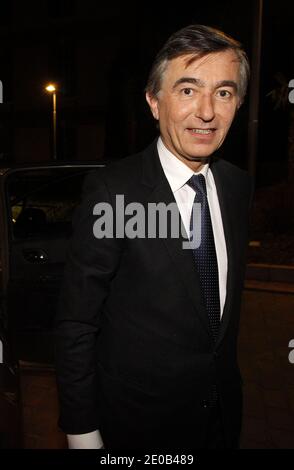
{"x": 153, "y": 104}
{"x": 240, "y": 102}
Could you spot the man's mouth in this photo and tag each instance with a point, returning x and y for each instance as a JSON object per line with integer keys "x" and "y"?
{"x": 197, "y": 130}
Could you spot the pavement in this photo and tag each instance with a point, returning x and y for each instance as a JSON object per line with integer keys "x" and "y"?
{"x": 40, "y": 409}
{"x": 266, "y": 328}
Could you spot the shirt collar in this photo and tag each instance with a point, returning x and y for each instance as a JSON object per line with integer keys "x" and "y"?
{"x": 175, "y": 170}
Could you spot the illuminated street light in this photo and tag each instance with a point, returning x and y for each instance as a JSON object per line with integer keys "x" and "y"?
{"x": 51, "y": 88}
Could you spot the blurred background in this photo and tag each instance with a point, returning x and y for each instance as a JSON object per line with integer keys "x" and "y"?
{"x": 98, "y": 54}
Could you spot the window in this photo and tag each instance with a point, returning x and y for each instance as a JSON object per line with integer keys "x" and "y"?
{"x": 42, "y": 202}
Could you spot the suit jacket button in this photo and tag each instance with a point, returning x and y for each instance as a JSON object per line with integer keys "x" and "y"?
{"x": 205, "y": 404}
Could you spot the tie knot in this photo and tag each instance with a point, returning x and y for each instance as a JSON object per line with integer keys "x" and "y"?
{"x": 197, "y": 182}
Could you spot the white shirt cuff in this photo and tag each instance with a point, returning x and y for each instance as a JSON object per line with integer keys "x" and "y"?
{"x": 90, "y": 440}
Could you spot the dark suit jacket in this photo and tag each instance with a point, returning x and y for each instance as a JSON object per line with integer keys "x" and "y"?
{"x": 134, "y": 355}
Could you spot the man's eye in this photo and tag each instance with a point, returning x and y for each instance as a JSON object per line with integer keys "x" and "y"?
{"x": 224, "y": 93}
{"x": 187, "y": 91}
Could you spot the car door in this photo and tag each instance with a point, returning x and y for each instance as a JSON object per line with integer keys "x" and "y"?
{"x": 40, "y": 204}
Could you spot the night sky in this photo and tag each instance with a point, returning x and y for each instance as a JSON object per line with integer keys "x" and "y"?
{"x": 42, "y": 40}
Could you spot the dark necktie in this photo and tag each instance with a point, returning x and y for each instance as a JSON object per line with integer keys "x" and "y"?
{"x": 205, "y": 255}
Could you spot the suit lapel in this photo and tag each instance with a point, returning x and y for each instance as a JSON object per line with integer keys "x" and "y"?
{"x": 227, "y": 207}
{"x": 160, "y": 191}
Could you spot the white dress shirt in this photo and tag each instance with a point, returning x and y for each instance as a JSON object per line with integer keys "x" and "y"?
{"x": 177, "y": 174}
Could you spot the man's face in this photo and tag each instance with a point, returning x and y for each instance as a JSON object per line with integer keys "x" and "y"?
{"x": 197, "y": 103}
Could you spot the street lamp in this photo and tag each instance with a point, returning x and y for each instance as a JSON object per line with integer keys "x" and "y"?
{"x": 51, "y": 88}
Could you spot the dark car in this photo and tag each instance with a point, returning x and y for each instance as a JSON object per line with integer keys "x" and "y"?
{"x": 36, "y": 207}
{"x": 37, "y": 203}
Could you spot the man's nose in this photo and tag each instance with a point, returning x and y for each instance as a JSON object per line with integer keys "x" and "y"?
{"x": 205, "y": 108}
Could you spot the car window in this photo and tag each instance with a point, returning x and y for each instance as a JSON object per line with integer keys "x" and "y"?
{"x": 42, "y": 201}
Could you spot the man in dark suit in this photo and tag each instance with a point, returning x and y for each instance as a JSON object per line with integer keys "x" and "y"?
{"x": 146, "y": 340}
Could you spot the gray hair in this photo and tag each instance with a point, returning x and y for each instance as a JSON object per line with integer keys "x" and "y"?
{"x": 199, "y": 41}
